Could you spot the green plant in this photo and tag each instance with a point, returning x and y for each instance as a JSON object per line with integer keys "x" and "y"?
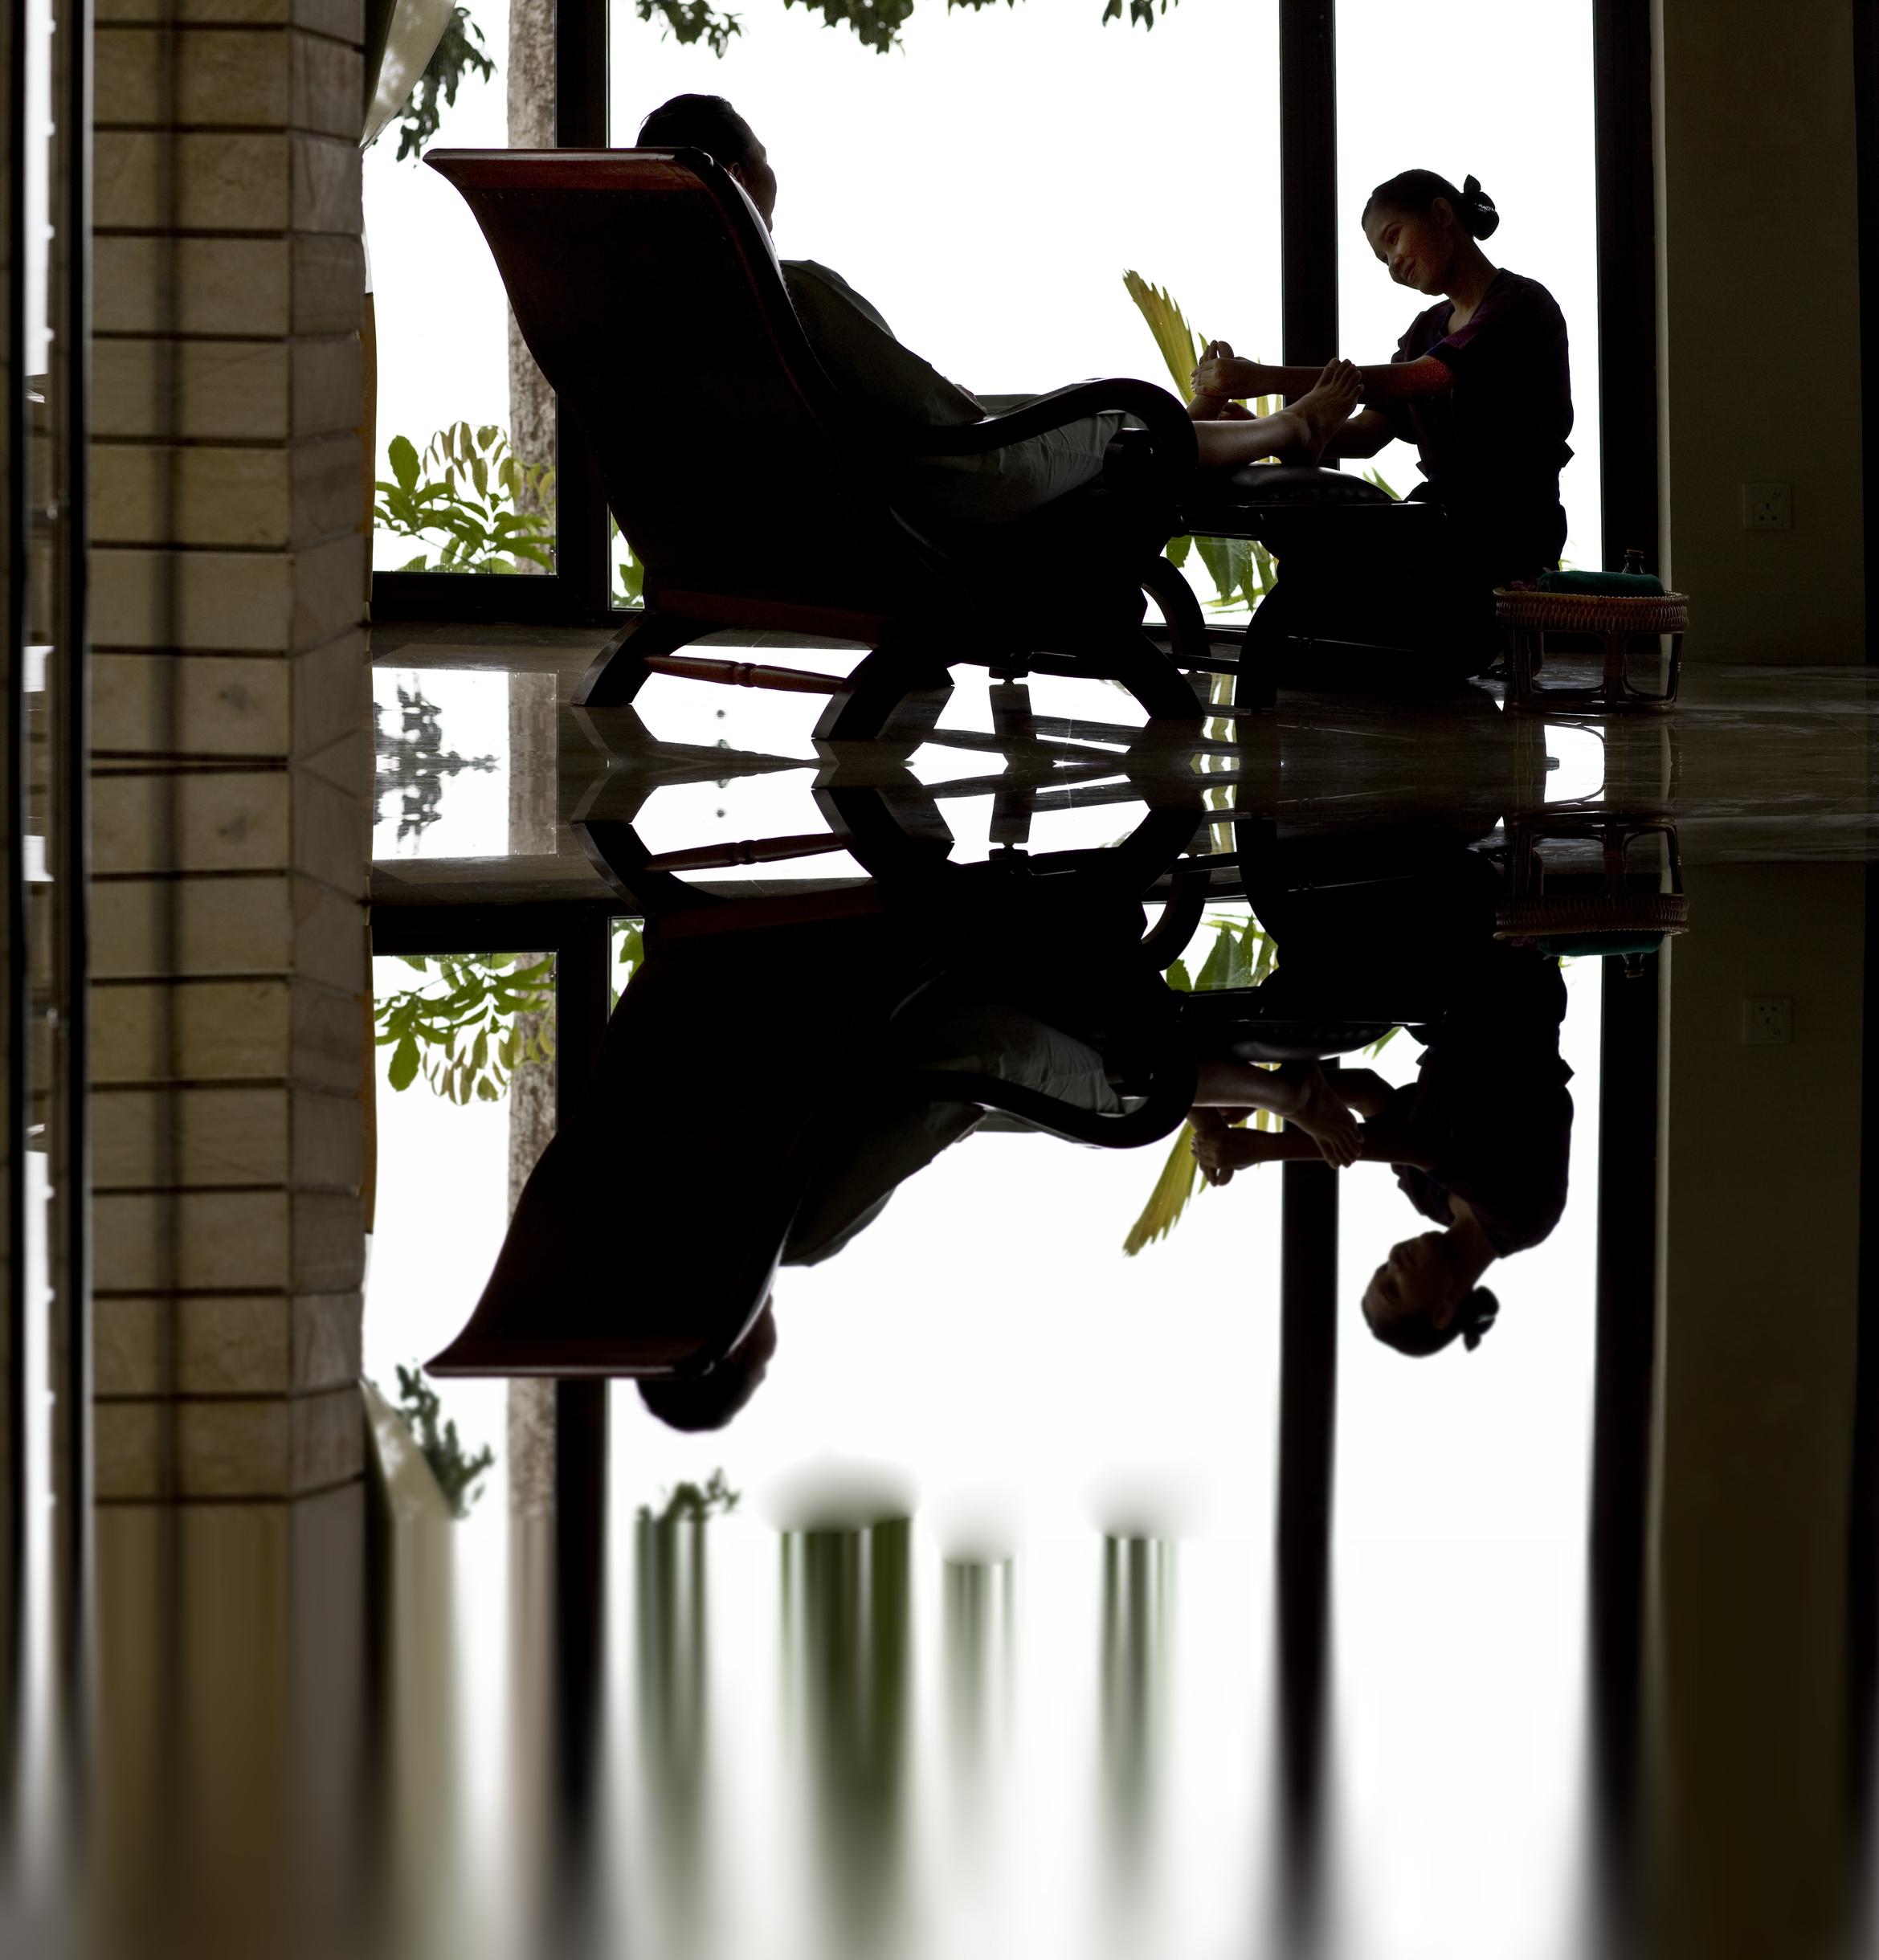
{"x": 694, "y": 1503}
{"x": 630, "y": 572}
{"x": 1241, "y": 568}
{"x": 688, "y": 21}
{"x": 1241, "y": 956}
{"x": 457, "y": 1472}
{"x": 459, "y": 1029}
{"x": 492, "y": 509}
{"x": 458, "y": 53}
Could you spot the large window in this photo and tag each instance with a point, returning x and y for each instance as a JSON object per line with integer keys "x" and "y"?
{"x": 987, "y": 185}
{"x": 987, "y": 182}
{"x": 1461, "y": 1574}
{"x": 1504, "y": 94}
{"x": 454, "y": 381}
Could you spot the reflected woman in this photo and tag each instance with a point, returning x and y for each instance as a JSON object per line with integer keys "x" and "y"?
{"x": 1480, "y": 382}
{"x": 1480, "y": 1143}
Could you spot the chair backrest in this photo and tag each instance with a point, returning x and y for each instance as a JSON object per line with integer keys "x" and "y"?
{"x": 650, "y": 294}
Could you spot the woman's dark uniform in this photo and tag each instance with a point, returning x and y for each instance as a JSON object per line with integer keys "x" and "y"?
{"x": 1493, "y": 445}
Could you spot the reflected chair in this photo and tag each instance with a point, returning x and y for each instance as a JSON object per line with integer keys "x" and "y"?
{"x": 756, "y": 497}
{"x": 754, "y": 1037}
{"x": 1359, "y": 910}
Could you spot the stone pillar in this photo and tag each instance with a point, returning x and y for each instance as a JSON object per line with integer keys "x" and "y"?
{"x": 1757, "y": 1335}
{"x": 231, "y": 761}
{"x": 1757, "y": 163}
{"x": 231, "y": 772}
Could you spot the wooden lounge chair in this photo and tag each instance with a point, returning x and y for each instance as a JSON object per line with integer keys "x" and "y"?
{"x": 757, "y": 496}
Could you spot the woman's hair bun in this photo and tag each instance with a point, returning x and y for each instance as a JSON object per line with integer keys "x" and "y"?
{"x": 1417, "y": 190}
{"x": 1477, "y": 212}
{"x": 1479, "y": 1310}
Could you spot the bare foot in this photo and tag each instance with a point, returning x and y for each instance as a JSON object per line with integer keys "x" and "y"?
{"x": 1317, "y": 415}
{"x": 1324, "y": 1116}
{"x": 1211, "y": 406}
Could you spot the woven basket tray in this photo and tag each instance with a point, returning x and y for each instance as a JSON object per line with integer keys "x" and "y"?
{"x": 1592, "y": 612}
{"x": 1634, "y": 912}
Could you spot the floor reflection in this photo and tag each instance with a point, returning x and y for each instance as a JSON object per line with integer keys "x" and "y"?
{"x": 1565, "y": 1646}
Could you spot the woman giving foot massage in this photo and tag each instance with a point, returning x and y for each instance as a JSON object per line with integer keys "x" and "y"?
{"x": 894, "y": 384}
{"x": 1481, "y": 381}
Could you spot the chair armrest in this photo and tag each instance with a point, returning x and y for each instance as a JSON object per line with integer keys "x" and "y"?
{"x": 1171, "y": 1096}
{"x": 1164, "y": 418}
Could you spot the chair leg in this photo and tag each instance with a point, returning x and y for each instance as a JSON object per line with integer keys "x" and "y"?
{"x": 1187, "y": 635}
{"x": 1262, "y": 646}
{"x": 618, "y": 671}
{"x": 1612, "y": 693}
{"x": 868, "y": 705}
{"x": 1155, "y": 681}
{"x": 890, "y": 833}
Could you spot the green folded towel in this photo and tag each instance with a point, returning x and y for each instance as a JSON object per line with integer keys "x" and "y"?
{"x": 1612, "y": 585}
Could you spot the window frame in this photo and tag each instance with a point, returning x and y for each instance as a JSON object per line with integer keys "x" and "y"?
{"x": 579, "y": 591}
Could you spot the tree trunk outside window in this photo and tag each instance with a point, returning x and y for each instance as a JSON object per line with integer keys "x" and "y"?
{"x": 531, "y": 1092}
{"x": 531, "y": 126}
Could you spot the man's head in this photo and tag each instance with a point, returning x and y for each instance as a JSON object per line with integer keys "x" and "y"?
{"x": 1422, "y": 1297}
{"x": 710, "y": 123}
{"x": 709, "y": 1401}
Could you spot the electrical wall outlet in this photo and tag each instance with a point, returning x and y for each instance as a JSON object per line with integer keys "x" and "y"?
{"x": 1766, "y": 506}
{"x": 1767, "y": 1023}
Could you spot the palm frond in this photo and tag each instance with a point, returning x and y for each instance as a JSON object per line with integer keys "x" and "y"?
{"x": 1180, "y": 1176}
{"x": 1179, "y": 344}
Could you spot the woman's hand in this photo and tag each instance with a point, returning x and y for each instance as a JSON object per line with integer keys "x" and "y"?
{"x": 1211, "y": 402}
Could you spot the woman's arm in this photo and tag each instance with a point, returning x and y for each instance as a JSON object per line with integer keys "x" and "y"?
{"x": 1362, "y": 435}
{"x": 1363, "y": 1088}
{"x": 1399, "y": 380}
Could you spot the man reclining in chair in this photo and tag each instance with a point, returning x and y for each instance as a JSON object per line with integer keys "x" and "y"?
{"x": 894, "y": 384}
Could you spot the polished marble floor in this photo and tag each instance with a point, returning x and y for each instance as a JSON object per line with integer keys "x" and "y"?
{"x": 1076, "y": 1603}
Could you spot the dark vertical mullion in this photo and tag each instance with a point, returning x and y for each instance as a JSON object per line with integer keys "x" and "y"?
{"x": 581, "y": 555}
{"x": 1623, "y": 1386}
{"x": 1862, "y": 1700}
{"x": 18, "y": 965}
{"x": 1865, "y": 108}
{"x": 1308, "y": 177}
{"x": 1625, "y": 152}
{"x": 1308, "y": 1408}
{"x": 581, "y": 990}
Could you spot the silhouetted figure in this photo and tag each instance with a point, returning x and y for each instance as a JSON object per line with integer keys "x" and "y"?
{"x": 1481, "y": 1141}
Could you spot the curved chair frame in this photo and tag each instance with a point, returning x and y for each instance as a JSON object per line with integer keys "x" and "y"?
{"x": 527, "y": 1323}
